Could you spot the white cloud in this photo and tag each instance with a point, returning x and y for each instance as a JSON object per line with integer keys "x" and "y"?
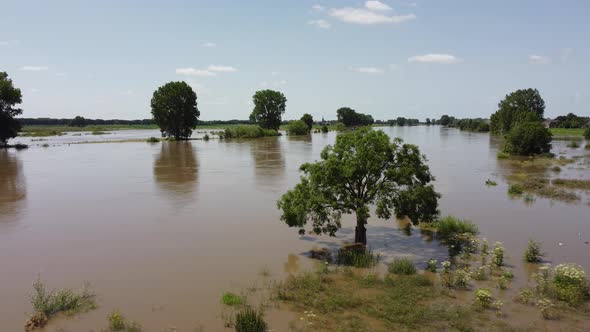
{"x": 367, "y": 17}
{"x": 566, "y": 54}
{"x": 435, "y": 58}
{"x": 207, "y": 72}
{"x": 194, "y": 72}
{"x": 376, "y": 6}
{"x": 318, "y": 8}
{"x": 222, "y": 69}
{"x": 368, "y": 70}
{"x": 322, "y": 24}
{"x": 34, "y": 68}
{"x": 539, "y": 59}
{"x": 209, "y": 44}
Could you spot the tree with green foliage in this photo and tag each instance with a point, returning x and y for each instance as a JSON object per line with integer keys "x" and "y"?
{"x": 428, "y": 122}
{"x": 445, "y": 120}
{"x": 517, "y": 107}
{"x": 78, "y": 121}
{"x": 9, "y": 96}
{"x": 297, "y": 128}
{"x": 363, "y": 168}
{"x": 308, "y": 119}
{"x": 269, "y": 107}
{"x": 528, "y": 138}
{"x": 174, "y": 108}
{"x": 400, "y": 121}
{"x": 587, "y": 133}
{"x": 351, "y": 118}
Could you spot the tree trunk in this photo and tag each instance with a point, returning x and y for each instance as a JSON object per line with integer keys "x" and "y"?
{"x": 360, "y": 232}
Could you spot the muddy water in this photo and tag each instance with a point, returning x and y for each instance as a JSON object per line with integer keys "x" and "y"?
{"x": 161, "y": 230}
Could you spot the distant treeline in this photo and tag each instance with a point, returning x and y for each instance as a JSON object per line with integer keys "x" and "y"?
{"x": 80, "y": 121}
{"x": 569, "y": 121}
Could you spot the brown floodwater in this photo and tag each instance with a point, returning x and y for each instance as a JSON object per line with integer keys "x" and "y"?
{"x": 162, "y": 230}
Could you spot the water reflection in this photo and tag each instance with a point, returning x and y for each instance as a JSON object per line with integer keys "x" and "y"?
{"x": 292, "y": 264}
{"x": 269, "y": 162}
{"x": 12, "y": 186}
{"x": 176, "y": 169}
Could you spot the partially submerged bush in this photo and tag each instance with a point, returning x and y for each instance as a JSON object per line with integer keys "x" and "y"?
{"x": 483, "y": 298}
{"x": 356, "y": 255}
{"x": 431, "y": 265}
{"x": 297, "y": 128}
{"x": 248, "y": 131}
{"x": 491, "y": 183}
{"x": 528, "y": 138}
{"x": 250, "y": 320}
{"x": 498, "y": 255}
{"x": 570, "y": 283}
{"x": 457, "y": 234}
{"x": 515, "y": 189}
{"x": 324, "y": 129}
{"x": 152, "y": 140}
{"x": 118, "y": 322}
{"x": 573, "y": 145}
{"x": 231, "y": 299}
{"x": 533, "y": 252}
{"x": 402, "y": 266}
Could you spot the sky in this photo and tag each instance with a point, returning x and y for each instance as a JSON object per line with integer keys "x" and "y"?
{"x": 388, "y": 58}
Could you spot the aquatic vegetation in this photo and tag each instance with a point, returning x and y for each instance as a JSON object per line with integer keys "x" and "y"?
{"x": 556, "y": 169}
{"x": 49, "y": 303}
{"x": 356, "y": 255}
{"x": 431, "y": 265}
{"x": 547, "y": 309}
{"x": 480, "y": 274}
{"x": 515, "y": 189}
{"x": 572, "y": 183}
{"x": 250, "y": 320}
{"x": 491, "y": 183}
{"x": 98, "y": 132}
{"x": 118, "y": 322}
{"x": 498, "y": 255}
{"x": 248, "y": 131}
{"x": 526, "y": 296}
{"x": 529, "y": 198}
{"x": 461, "y": 278}
{"x": 533, "y": 252}
{"x": 324, "y": 129}
{"x": 573, "y": 145}
{"x": 297, "y": 128}
{"x": 231, "y": 299}
{"x": 503, "y": 155}
{"x": 402, "y": 266}
{"x": 570, "y": 283}
{"x": 457, "y": 234}
{"x": 483, "y": 298}
{"x": 153, "y": 140}
{"x": 446, "y": 267}
{"x": 503, "y": 282}
{"x": 206, "y": 137}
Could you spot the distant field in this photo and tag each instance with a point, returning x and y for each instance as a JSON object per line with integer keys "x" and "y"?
{"x": 566, "y": 132}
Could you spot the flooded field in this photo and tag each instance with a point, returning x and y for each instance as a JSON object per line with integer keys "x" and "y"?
{"x": 162, "y": 230}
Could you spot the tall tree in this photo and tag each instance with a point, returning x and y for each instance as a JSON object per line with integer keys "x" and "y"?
{"x": 517, "y": 107}
{"x": 308, "y": 119}
{"x": 269, "y": 107}
{"x": 363, "y": 168}
{"x": 351, "y": 118}
{"x": 78, "y": 121}
{"x": 445, "y": 120}
{"x": 9, "y": 96}
{"x": 174, "y": 108}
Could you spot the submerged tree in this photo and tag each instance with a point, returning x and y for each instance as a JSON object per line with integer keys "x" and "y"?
{"x": 269, "y": 107}
{"x": 363, "y": 168}
{"x": 174, "y": 108}
{"x": 518, "y": 107}
{"x": 9, "y": 96}
{"x": 308, "y": 119}
{"x": 528, "y": 138}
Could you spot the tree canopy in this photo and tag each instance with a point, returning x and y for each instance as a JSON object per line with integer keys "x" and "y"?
{"x": 174, "y": 108}
{"x": 78, "y": 121}
{"x": 9, "y": 97}
{"x": 298, "y": 127}
{"x": 308, "y": 119}
{"x": 519, "y": 106}
{"x": 528, "y": 138}
{"x": 351, "y": 118}
{"x": 362, "y": 169}
{"x": 269, "y": 107}
{"x": 445, "y": 120}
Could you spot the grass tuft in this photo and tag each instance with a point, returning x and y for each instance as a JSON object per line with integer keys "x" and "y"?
{"x": 250, "y": 320}
{"x": 402, "y": 266}
{"x": 231, "y": 299}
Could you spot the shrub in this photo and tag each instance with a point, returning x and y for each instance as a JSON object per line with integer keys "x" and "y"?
{"x": 528, "y": 138}
{"x": 587, "y": 133}
{"x": 483, "y": 298}
{"x": 340, "y": 126}
{"x": 498, "y": 254}
{"x": 556, "y": 169}
{"x": 206, "y": 137}
{"x": 64, "y": 300}
{"x": 357, "y": 256}
{"x": 402, "y": 266}
{"x": 117, "y": 322}
{"x": 297, "y": 128}
{"x": 515, "y": 189}
{"x": 457, "y": 234}
{"x": 431, "y": 265}
{"x": 547, "y": 309}
{"x": 573, "y": 145}
{"x": 570, "y": 283}
{"x": 231, "y": 299}
{"x": 324, "y": 129}
{"x": 533, "y": 252}
{"x": 503, "y": 282}
{"x": 480, "y": 273}
{"x": 461, "y": 278}
{"x": 503, "y": 155}
{"x": 491, "y": 183}
{"x": 250, "y": 320}
{"x": 152, "y": 140}
{"x": 248, "y": 131}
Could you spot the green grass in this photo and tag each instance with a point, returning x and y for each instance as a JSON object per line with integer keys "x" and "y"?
{"x": 402, "y": 266}
{"x": 231, "y": 299}
{"x": 49, "y": 303}
{"x": 357, "y": 256}
{"x": 515, "y": 189}
{"x": 118, "y": 322}
{"x": 572, "y": 183}
{"x": 450, "y": 226}
{"x": 250, "y": 320}
{"x": 567, "y": 132}
{"x": 42, "y": 131}
{"x": 248, "y": 131}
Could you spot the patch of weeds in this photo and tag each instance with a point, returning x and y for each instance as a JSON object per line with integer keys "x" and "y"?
{"x": 250, "y": 320}
{"x": 457, "y": 234}
{"x": 515, "y": 189}
{"x": 402, "y": 266}
{"x": 152, "y": 140}
{"x": 573, "y": 145}
{"x": 503, "y": 155}
{"x": 356, "y": 255}
{"x": 431, "y": 265}
{"x": 498, "y": 255}
{"x": 483, "y": 298}
{"x": 118, "y": 322}
{"x": 556, "y": 169}
{"x": 231, "y": 299}
{"x": 49, "y": 303}
{"x": 98, "y": 132}
{"x": 529, "y": 198}
{"x": 570, "y": 284}
{"x": 526, "y": 296}
{"x": 206, "y": 137}
{"x": 572, "y": 183}
{"x": 491, "y": 183}
{"x": 533, "y": 252}
{"x": 548, "y": 310}
{"x": 480, "y": 273}
{"x": 503, "y": 282}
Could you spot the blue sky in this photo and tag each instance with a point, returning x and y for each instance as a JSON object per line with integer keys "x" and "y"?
{"x": 388, "y": 58}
